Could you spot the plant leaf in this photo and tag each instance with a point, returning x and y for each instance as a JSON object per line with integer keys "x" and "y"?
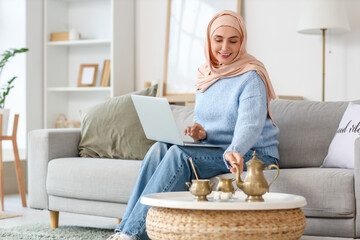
{"x": 5, "y": 58}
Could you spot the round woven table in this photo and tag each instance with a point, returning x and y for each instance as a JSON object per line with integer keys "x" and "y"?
{"x": 175, "y": 215}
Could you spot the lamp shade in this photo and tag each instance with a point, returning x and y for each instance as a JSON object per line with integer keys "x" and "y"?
{"x": 323, "y": 14}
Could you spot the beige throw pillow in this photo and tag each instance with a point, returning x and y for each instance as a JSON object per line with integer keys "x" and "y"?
{"x": 113, "y": 130}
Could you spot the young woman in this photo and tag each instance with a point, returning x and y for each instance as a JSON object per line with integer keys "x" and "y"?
{"x": 232, "y": 108}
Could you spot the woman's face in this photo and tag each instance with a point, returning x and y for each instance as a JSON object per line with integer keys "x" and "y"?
{"x": 225, "y": 44}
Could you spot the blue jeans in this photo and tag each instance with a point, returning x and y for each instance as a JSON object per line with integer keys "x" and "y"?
{"x": 166, "y": 168}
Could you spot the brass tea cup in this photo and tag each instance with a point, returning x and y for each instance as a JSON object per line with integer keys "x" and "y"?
{"x": 200, "y": 188}
{"x": 225, "y": 185}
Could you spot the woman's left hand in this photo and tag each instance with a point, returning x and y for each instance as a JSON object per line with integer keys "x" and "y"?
{"x": 232, "y": 158}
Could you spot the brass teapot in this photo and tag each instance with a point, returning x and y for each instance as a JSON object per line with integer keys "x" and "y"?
{"x": 255, "y": 184}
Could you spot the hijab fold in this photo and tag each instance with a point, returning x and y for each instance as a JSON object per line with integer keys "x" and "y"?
{"x": 212, "y": 71}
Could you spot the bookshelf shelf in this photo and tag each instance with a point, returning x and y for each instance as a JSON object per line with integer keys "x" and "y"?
{"x": 79, "y": 89}
{"x": 84, "y": 42}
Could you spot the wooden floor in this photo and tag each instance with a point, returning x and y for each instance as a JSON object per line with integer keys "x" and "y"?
{"x": 29, "y": 215}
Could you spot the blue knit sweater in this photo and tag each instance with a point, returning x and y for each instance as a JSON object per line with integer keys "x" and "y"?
{"x": 233, "y": 112}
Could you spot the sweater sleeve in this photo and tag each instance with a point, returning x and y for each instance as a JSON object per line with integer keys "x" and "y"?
{"x": 195, "y": 119}
{"x": 252, "y": 113}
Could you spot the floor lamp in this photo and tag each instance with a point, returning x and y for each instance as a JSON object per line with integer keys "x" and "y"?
{"x": 318, "y": 16}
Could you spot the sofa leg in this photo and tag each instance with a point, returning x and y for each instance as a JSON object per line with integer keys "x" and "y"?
{"x": 118, "y": 220}
{"x": 54, "y": 219}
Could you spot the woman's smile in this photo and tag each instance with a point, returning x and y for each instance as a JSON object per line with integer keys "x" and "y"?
{"x": 224, "y": 55}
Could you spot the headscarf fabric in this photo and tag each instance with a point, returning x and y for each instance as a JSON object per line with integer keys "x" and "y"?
{"x": 212, "y": 71}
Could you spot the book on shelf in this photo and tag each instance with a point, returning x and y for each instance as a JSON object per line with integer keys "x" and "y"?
{"x": 105, "y": 77}
{"x": 59, "y": 36}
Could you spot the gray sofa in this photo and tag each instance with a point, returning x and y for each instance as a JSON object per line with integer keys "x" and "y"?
{"x": 61, "y": 181}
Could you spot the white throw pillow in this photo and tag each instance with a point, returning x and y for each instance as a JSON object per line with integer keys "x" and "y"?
{"x": 341, "y": 151}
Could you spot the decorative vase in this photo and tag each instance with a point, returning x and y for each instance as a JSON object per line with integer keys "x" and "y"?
{"x": 5, "y": 112}
{"x": 74, "y": 35}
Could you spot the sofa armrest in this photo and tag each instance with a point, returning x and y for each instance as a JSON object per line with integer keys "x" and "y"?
{"x": 43, "y": 146}
{"x": 357, "y": 185}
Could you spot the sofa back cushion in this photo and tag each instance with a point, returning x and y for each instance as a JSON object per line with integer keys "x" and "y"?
{"x": 306, "y": 130}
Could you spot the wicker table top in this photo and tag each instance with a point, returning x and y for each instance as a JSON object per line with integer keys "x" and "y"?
{"x": 184, "y": 200}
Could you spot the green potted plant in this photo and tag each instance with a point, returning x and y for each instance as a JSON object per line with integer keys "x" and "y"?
{"x": 5, "y": 90}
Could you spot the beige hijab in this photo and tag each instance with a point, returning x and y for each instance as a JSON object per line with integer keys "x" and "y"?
{"x": 212, "y": 71}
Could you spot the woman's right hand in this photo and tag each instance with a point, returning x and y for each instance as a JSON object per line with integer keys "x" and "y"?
{"x": 196, "y": 131}
{"x": 235, "y": 158}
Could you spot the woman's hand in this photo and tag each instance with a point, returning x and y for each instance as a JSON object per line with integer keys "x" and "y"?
{"x": 232, "y": 158}
{"x": 196, "y": 131}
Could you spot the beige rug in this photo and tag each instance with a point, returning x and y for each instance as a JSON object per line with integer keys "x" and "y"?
{"x": 4, "y": 215}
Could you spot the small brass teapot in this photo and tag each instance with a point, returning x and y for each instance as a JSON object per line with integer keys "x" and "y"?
{"x": 200, "y": 189}
{"x": 255, "y": 184}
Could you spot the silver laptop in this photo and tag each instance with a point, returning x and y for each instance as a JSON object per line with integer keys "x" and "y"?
{"x": 159, "y": 124}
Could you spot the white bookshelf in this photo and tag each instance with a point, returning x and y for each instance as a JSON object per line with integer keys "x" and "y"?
{"x": 102, "y": 25}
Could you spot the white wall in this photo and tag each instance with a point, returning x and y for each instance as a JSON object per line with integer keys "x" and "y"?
{"x": 150, "y": 26}
{"x": 294, "y": 60}
{"x": 12, "y": 35}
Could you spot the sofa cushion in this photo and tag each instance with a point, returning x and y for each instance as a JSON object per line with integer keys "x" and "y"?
{"x": 113, "y": 130}
{"x": 329, "y": 192}
{"x": 98, "y": 179}
{"x": 341, "y": 151}
{"x": 306, "y": 130}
